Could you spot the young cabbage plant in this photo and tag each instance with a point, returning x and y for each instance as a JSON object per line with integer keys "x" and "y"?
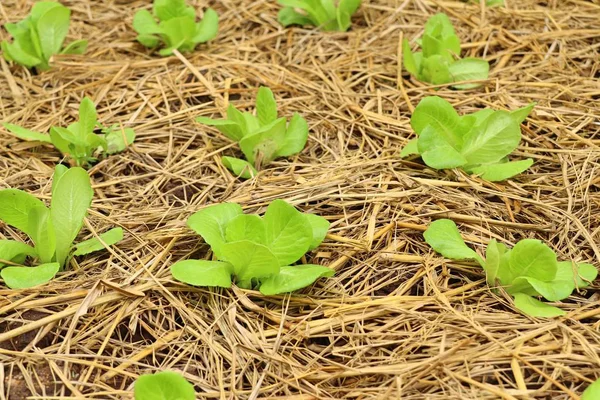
{"x": 257, "y": 251}
{"x": 52, "y": 230}
{"x": 321, "y": 13}
{"x": 78, "y": 141}
{"x": 263, "y": 137}
{"x": 438, "y": 63}
{"x": 177, "y": 28}
{"x": 163, "y": 386}
{"x": 40, "y": 36}
{"x": 479, "y": 143}
{"x": 527, "y": 271}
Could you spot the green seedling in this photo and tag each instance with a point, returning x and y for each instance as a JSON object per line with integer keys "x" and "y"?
{"x": 40, "y": 36}
{"x": 163, "y": 386}
{"x": 479, "y": 143}
{"x": 177, "y": 28}
{"x": 78, "y": 141}
{"x": 527, "y": 271}
{"x": 592, "y": 392}
{"x": 263, "y": 137}
{"x": 52, "y": 230}
{"x": 438, "y": 63}
{"x": 321, "y": 13}
{"x": 257, "y": 251}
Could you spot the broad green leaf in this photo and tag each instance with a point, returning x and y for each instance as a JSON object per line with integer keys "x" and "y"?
{"x": 246, "y": 227}
{"x": 177, "y": 32}
{"x": 42, "y": 233}
{"x": 231, "y": 129}
{"x": 118, "y": 140}
{"x": 266, "y": 107}
{"x": 52, "y": 28}
{"x": 14, "y": 52}
{"x": 58, "y": 141}
{"x": 551, "y": 291}
{"x": 26, "y": 134}
{"x": 343, "y": 20}
{"x": 234, "y": 115}
{"x": 443, "y": 236}
{"x": 411, "y": 147}
{"x": 203, "y": 273}
{"x": 109, "y": 237}
{"x": 291, "y": 278}
{"x": 489, "y": 142}
{"x": 536, "y": 308}
{"x": 168, "y": 9}
{"x": 25, "y": 41}
{"x": 436, "y": 152}
{"x": 534, "y": 259}
{"x": 409, "y": 60}
{"x": 480, "y": 116}
{"x": 15, "y": 206}
{"x": 295, "y": 138}
{"x": 319, "y": 226}
{"x": 520, "y": 114}
{"x": 349, "y": 6}
{"x": 250, "y": 260}
{"x": 75, "y": 47}
{"x": 264, "y": 142}
{"x": 208, "y": 28}
{"x": 435, "y": 69}
{"x": 493, "y": 252}
{"x": 468, "y": 69}
{"x": 502, "y": 171}
{"x": 87, "y": 116}
{"x": 27, "y": 277}
{"x": 288, "y": 16}
{"x": 289, "y": 235}
{"x": 251, "y": 122}
{"x": 10, "y": 250}
{"x": 59, "y": 171}
{"x": 586, "y": 273}
{"x": 163, "y": 386}
{"x": 439, "y": 25}
{"x": 149, "y": 41}
{"x": 70, "y": 201}
{"x": 241, "y": 168}
{"x": 211, "y": 222}
{"x": 592, "y": 392}
{"x": 145, "y": 24}
{"x": 442, "y": 117}
{"x": 41, "y": 7}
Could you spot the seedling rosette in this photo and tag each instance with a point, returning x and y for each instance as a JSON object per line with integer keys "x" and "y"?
{"x": 526, "y": 272}
{"x": 258, "y": 252}
{"x": 321, "y": 13}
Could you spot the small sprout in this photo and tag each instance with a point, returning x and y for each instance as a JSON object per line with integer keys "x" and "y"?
{"x": 257, "y": 251}
{"x": 40, "y": 36}
{"x": 321, "y": 13}
{"x": 263, "y": 137}
{"x": 177, "y": 28}
{"x": 438, "y": 63}
{"x": 52, "y": 230}
{"x": 478, "y": 143}
{"x": 163, "y": 386}
{"x": 526, "y": 271}
{"x": 78, "y": 141}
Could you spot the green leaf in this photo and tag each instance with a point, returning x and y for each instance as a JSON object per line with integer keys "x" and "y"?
{"x": 163, "y": 386}
{"x": 87, "y": 116}
{"x": 443, "y": 236}
{"x": 520, "y": 114}
{"x": 586, "y": 273}
{"x": 177, "y": 32}
{"x": 109, "y": 237}
{"x": 208, "y": 28}
{"x": 435, "y": 69}
{"x": 493, "y": 253}
{"x": 348, "y": 7}
{"x": 292, "y": 278}
{"x": 26, "y": 134}
{"x": 534, "y": 259}
{"x": 70, "y": 201}
{"x": 251, "y": 123}
{"x": 58, "y": 141}
{"x": 411, "y": 147}
{"x": 14, "y": 52}
{"x": 551, "y": 291}
{"x": 536, "y": 308}
{"x": 144, "y": 23}
{"x": 241, "y": 168}
{"x": 231, "y": 129}
{"x": 15, "y": 206}
{"x": 409, "y": 60}
{"x": 52, "y": 28}
{"x": 27, "y": 277}
{"x": 289, "y": 235}
{"x": 42, "y": 233}
{"x": 11, "y": 250}
{"x": 442, "y": 117}
{"x": 288, "y": 16}
{"x": 319, "y": 226}
{"x": 468, "y": 69}
{"x": 250, "y": 260}
{"x": 502, "y": 171}
{"x": 295, "y": 138}
{"x": 203, "y": 273}
{"x": 246, "y": 227}
{"x": 493, "y": 140}
{"x": 168, "y": 9}
{"x": 264, "y": 142}
{"x": 592, "y": 392}
{"x": 41, "y": 7}
{"x": 266, "y": 107}
{"x": 439, "y": 25}
{"x": 436, "y": 152}
{"x": 76, "y": 47}
{"x": 211, "y": 222}
{"x": 149, "y": 41}
{"x": 118, "y": 140}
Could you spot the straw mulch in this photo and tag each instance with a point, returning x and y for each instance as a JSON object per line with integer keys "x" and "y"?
{"x": 397, "y": 321}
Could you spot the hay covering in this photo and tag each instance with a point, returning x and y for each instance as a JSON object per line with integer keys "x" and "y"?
{"x": 397, "y": 321}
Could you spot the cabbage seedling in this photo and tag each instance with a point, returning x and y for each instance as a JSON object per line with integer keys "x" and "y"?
{"x": 52, "y": 230}
{"x": 257, "y": 251}
{"x": 163, "y": 386}
{"x": 177, "y": 28}
{"x": 478, "y": 143}
{"x": 321, "y": 13}
{"x": 78, "y": 141}
{"x": 527, "y": 271}
{"x": 263, "y": 137}
{"x": 40, "y": 36}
